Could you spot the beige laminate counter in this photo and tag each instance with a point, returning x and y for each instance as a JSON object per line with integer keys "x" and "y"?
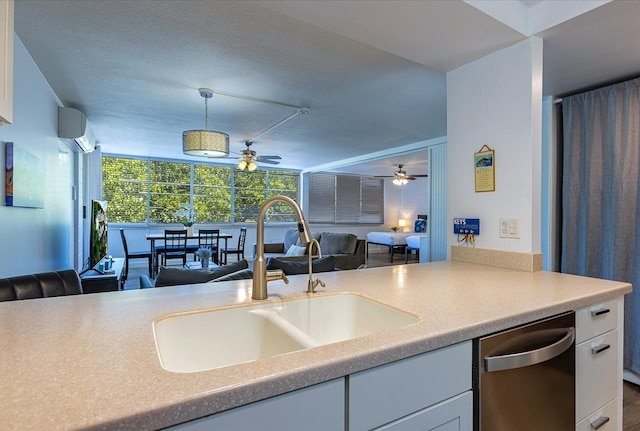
{"x": 90, "y": 361}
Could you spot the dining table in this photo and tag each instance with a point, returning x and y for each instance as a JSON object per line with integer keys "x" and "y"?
{"x": 153, "y": 237}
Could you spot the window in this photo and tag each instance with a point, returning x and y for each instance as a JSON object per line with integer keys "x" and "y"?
{"x": 212, "y": 193}
{"x": 169, "y": 186}
{"x": 332, "y": 198}
{"x": 150, "y": 191}
{"x": 125, "y": 188}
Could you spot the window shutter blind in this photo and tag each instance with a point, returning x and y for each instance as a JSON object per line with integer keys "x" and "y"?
{"x": 331, "y": 198}
{"x": 372, "y": 198}
{"x": 322, "y": 192}
{"x": 347, "y": 199}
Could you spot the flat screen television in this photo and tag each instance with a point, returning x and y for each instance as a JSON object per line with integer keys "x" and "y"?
{"x": 98, "y": 243}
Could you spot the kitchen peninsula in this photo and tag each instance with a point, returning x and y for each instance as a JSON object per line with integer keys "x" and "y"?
{"x": 90, "y": 361}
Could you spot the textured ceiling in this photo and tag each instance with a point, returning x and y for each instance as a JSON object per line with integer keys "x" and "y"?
{"x": 372, "y": 73}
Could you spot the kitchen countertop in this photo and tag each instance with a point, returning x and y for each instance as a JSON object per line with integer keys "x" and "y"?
{"x": 90, "y": 361}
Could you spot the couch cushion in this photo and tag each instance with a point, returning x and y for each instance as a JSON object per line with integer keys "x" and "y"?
{"x": 338, "y": 243}
{"x": 291, "y": 237}
{"x": 177, "y": 276}
{"x": 296, "y": 250}
{"x": 244, "y": 274}
{"x": 326, "y": 264}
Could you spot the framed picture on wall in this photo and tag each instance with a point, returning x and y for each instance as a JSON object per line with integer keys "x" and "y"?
{"x": 24, "y": 178}
{"x": 484, "y": 164}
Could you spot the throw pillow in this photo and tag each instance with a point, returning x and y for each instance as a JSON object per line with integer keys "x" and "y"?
{"x": 420, "y": 225}
{"x": 296, "y": 250}
{"x": 177, "y": 276}
{"x": 338, "y": 243}
{"x": 326, "y": 264}
{"x": 291, "y": 237}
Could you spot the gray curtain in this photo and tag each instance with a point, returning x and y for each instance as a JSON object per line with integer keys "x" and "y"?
{"x": 601, "y": 195}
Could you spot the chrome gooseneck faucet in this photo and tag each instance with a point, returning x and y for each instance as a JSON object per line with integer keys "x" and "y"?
{"x": 260, "y": 274}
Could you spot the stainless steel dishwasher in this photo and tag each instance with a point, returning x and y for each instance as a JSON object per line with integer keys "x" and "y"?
{"x": 524, "y": 378}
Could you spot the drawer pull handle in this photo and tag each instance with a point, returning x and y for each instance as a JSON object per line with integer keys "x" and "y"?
{"x": 600, "y": 348}
{"x": 599, "y": 312}
{"x": 598, "y": 423}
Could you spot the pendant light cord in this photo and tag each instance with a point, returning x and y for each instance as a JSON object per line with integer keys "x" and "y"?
{"x": 206, "y": 113}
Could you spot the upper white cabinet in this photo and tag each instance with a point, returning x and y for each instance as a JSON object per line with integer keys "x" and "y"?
{"x": 6, "y": 61}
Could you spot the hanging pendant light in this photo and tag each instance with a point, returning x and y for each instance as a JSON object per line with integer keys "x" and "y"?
{"x": 205, "y": 143}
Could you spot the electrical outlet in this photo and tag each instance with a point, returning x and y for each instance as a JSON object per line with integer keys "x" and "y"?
{"x": 509, "y": 228}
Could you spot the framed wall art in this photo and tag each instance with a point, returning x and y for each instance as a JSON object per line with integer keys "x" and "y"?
{"x": 484, "y": 163}
{"x": 24, "y": 178}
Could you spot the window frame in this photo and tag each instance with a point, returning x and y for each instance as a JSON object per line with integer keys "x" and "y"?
{"x": 192, "y": 186}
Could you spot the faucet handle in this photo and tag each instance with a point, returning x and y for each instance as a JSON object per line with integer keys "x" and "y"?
{"x": 277, "y": 274}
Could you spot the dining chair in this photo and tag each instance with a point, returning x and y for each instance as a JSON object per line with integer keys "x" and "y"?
{"x": 210, "y": 238}
{"x": 175, "y": 245}
{"x": 133, "y": 255}
{"x": 238, "y": 251}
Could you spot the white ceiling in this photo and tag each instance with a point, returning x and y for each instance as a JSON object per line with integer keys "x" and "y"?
{"x": 372, "y": 73}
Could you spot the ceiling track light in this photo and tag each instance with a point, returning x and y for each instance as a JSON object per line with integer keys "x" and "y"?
{"x": 205, "y": 143}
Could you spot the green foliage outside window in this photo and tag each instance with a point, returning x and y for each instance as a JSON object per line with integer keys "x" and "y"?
{"x": 124, "y": 185}
{"x": 169, "y": 186}
{"x": 150, "y": 191}
{"x": 212, "y": 193}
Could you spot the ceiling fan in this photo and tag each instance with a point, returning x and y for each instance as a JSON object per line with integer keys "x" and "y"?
{"x": 248, "y": 159}
{"x": 400, "y": 177}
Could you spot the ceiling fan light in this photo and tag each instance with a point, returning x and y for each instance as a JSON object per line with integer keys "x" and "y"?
{"x": 205, "y": 143}
{"x": 397, "y": 182}
{"x": 252, "y": 166}
{"x": 242, "y": 165}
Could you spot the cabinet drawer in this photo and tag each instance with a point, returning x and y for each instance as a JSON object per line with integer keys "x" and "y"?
{"x": 386, "y": 393}
{"x": 603, "y": 419}
{"x": 596, "y": 319}
{"x": 455, "y": 414}
{"x": 596, "y": 373}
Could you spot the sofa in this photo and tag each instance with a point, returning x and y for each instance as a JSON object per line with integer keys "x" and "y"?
{"x": 168, "y": 276}
{"x": 347, "y": 250}
{"x": 42, "y": 285}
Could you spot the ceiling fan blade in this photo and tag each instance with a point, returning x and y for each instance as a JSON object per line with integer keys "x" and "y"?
{"x": 269, "y": 162}
{"x": 413, "y": 177}
{"x": 384, "y": 176}
{"x": 269, "y": 157}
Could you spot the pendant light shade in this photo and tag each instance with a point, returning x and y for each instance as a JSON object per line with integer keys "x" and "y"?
{"x": 205, "y": 143}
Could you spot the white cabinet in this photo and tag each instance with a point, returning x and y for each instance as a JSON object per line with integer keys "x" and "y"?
{"x": 320, "y": 407}
{"x": 399, "y": 395}
{"x": 6, "y": 62}
{"x": 455, "y": 414}
{"x": 598, "y": 366}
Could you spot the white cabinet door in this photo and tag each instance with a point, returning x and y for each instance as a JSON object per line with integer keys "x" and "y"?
{"x": 320, "y": 407}
{"x": 455, "y": 414}
{"x": 384, "y": 394}
{"x": 6, "y": 62}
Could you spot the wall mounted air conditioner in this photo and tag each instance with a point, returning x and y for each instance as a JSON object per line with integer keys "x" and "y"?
{"x": 72, "y": 125}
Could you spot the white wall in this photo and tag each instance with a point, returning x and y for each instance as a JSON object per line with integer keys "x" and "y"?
{"x": 497, "y": 101}
{"x": 37, "y": 240}
{"x": 405, "y": 202}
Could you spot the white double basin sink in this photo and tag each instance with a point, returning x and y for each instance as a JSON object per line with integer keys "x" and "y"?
{"x": 207, "y": 339}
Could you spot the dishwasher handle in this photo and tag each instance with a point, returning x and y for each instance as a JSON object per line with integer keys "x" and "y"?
{"x": 532, "y": 357}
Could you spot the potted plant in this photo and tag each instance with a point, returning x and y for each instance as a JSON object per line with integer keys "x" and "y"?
{"x": 394, "y": 228}
{"x": 204, "y": 253}
{"x": 187, "y": 215}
